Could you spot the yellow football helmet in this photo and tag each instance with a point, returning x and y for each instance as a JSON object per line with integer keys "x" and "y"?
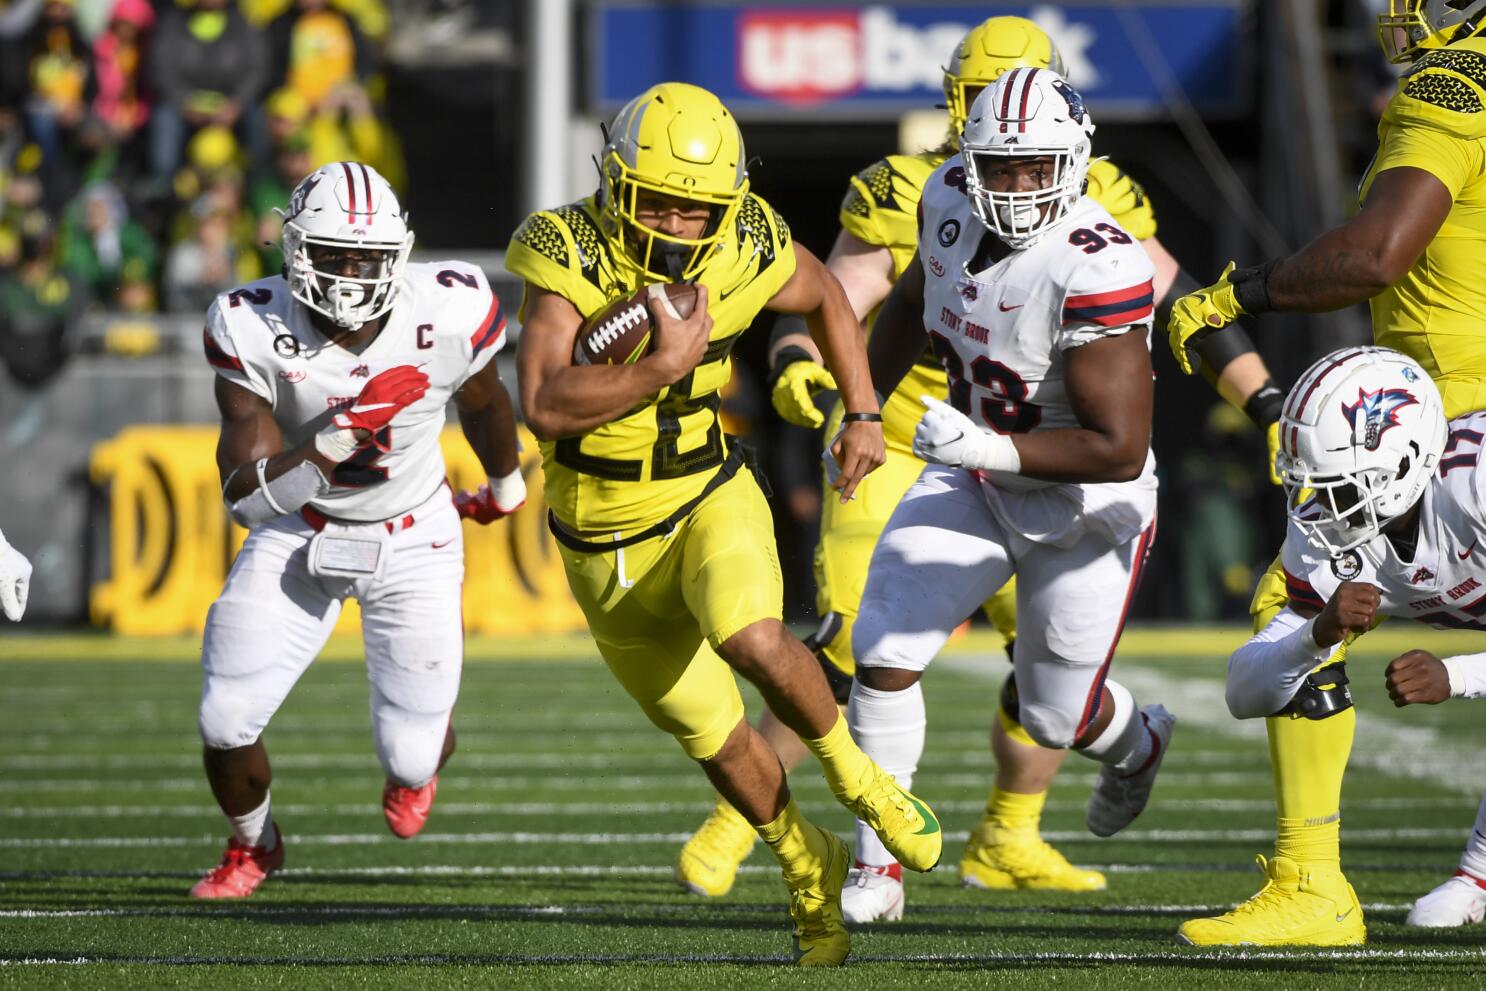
{"x": 677, "y": 140}
{"x": 989, "y": 49}
{"x": 1412, "y": 27}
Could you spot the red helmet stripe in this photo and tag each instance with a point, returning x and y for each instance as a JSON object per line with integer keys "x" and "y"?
{"x": 367, "y": 177}
{"x": 1006, "y": 95}
{"x": 1026, "y": 93}
{"x": 350, "y": 191}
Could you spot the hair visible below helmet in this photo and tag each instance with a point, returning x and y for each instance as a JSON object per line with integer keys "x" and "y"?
{"x": 1363, "y": 429}
{"x": 345, "y": 205}
{"x": 986, "y": 52}
{"x": 1028, "y": 113}
{"x": 677, "y": 140}
{"x": 1412, "y": 27}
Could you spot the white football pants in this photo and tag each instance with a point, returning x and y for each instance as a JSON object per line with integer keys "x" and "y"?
{"x": 944, "y": 553}
{"x": 273, "y": 617}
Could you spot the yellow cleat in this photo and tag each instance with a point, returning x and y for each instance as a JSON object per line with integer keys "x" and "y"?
{"x": 1296, "y": 907}
{"x": 820, "y": 935}
{"x": 1000, "y": 860}
{"x": 906, "y": 826}
{"x": 708, "y": 862}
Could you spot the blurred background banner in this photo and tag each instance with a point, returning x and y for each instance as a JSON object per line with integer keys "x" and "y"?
{"x": 878, "y": 61}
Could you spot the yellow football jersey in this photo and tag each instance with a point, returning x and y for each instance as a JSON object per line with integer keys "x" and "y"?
{"x": 881, "y": 208}
{"x": 1437, "y": 122}
{"x": 633, "y": 471}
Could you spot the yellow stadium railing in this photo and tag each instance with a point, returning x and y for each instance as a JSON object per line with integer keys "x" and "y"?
{"x": 171, "y": 543}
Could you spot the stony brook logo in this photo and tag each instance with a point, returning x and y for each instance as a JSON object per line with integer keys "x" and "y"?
{"x": 1377, "y": 411}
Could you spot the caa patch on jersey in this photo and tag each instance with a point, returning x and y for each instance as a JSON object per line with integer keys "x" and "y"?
{"x": 621, "y": 334}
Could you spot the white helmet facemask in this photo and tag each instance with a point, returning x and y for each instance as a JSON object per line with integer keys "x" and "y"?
{"x": 345, "y": 216}
{"x": 1361, "y": 435}
{"x": 1028, "y": 113}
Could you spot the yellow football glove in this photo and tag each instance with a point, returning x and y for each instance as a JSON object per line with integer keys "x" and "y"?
{"x": 794, "y": 392}
{"x": 1272, "y": 441}
{"x": 1205, "y": 310}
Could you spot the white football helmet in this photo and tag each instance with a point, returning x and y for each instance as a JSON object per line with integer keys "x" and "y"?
{"x": 337, "y": 207}
{"x": 1363, "y": 429}
{"x": 1028, "y": 113}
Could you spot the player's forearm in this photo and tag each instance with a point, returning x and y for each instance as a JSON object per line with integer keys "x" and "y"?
{"x": 1467, "y": 675}
{"x": 576, "y": 399}
{"x": 491, "y": 432}
{"x": 241, "y": 479}
{"x": 1265, "y": 673}
{"x": 1336, "y": 270}
{"x": 1081, "y": 455}
{"x": 835, "y": 331}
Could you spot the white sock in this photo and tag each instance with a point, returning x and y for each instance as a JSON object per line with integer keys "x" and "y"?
{"x": 1473, "y": 861}
{"x": 889, "y": 727}
{"x": 254, "y": 828}
{"x": 1125, "y": 743}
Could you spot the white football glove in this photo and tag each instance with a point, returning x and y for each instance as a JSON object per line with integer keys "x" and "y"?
{"x": 15, "y": 580}
{"x": 945, "y": 436}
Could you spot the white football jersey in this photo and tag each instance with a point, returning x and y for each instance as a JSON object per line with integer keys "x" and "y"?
{"x": 446, "y": 321}
{"x": 1001, "y": 333}
{"x": 1444, "y": 582}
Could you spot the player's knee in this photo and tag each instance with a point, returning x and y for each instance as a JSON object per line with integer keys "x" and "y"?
{"x": 410, "y": 760}
{"x": 1048, "y": 726}
{"x": 888, "y": 679}
{"x": 754, "y": 650}
{"x": 224, "y": 721}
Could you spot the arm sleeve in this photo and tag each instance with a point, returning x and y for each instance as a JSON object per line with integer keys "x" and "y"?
{"x": 223, "y": 355}
{"x": 1265, "y": 673}
{"x": 1107, "y": 294}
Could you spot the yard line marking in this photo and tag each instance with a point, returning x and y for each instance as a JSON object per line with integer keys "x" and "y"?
{"x": 990, "y": 957}
{"x": 682, "y": 776}
{"x": 614, "y": 870}
{"x": 1353, "y": 806}
{"x": 608, "y": 839}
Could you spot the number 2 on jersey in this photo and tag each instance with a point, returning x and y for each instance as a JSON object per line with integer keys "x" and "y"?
{"x": 361, "y": 469}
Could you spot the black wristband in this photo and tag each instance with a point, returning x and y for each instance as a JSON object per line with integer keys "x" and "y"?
{"x": 1218, "y": 349}
{"x": 786, "y": 356}
{"x": 861, "y": 418}
{"x": 1264, "y": 406}
{"x": 1251, "y": 287}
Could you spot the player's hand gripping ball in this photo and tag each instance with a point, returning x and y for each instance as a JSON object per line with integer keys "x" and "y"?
{"x": 622, "y": 333}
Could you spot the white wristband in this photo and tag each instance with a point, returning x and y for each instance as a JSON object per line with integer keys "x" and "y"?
{"x": 336, "y": 443}
{"x": 1308, "y": 638}
{"x": 1467, "y": 675}
{"x": 508, "y": 490}
{"x": 993, "y": 452}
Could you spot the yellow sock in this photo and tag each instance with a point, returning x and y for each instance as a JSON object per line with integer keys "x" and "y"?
{"x": 1309, "y": 758}
{"x": 1015, "y": 730}
{"x": 1014, "y": 812}
{"x": 797, "y": 845}
{"x": 846, "y": 768}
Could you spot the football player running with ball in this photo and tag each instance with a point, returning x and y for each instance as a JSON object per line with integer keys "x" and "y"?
{"x": 878, "y": 239}
{"x": 1387, "y": 501}
{"x": 668, "y": 545}
{"x": 1412, "y": 251}
{"x": 332, "y": 381}
{"x": 1039, "y": 307}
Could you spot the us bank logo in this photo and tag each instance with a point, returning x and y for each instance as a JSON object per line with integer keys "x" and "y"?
{"x": 813, "y": 56}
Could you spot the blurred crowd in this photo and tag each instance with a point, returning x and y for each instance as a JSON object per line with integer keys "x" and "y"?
{"x": 145, "y": 143}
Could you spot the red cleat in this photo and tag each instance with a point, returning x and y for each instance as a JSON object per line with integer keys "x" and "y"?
{"x": 406, "y": 809}
{"x": 242, "y": 869}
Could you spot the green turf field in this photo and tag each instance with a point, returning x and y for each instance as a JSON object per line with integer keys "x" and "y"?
{"x": 547, "y": 861}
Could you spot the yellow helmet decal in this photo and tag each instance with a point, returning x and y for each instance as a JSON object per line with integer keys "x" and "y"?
{"x": 989, "y": 49}
{"x": 674, "y": 140}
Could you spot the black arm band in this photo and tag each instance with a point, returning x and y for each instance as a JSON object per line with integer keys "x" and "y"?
{"x": 787, "y": 325}
{"x": 1251, "y": 287}
{"x": 1264, "y": 406}
{"x": 1217, "y": 350}
{"x": 787, "y": 355}
{"x": 861, "y": 418}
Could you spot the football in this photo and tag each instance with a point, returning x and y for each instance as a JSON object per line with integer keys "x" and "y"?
{"x": 620, "y": 334}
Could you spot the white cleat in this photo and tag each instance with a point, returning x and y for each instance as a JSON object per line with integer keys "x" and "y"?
{"x": 873, "y": 894}
{"x": 1119, "y": 798}
{"x": 1459, "y": 901}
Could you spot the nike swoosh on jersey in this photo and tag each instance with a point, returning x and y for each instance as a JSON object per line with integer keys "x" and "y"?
{"x": 1467, "y": 552}
{"x": 437, "y": 545}
{"x": 1008, "y": 309}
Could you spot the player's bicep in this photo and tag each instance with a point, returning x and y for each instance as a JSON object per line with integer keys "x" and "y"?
{"x": 864, "y": 270}
{"x": 805, "y": 289}
{"x": 249, "y": 431}
{"x": 1404, "y": 210}
{"x": 480, "y": 389}
{"x": 1110, "y": 386}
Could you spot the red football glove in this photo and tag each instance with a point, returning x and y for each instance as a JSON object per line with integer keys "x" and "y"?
{"x": 488, "y": 503}
{"x": 382, "y": 398}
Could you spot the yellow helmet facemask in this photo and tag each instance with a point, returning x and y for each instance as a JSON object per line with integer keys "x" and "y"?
{"x": 675, "y": 140}
{"x": 1412, "y": 27}
{"x": 989, "y": 49}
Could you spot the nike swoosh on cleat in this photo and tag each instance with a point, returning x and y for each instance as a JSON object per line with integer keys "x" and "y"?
{"x": 931, "y": 824}
{"x": 1342, "y": 916}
